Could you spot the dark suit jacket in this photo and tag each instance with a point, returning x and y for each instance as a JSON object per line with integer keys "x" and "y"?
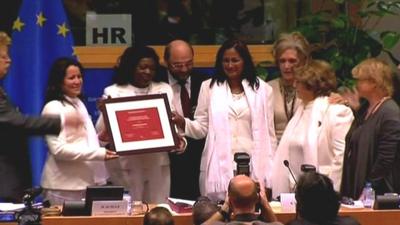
{"x": 185, "y": 168}
{"x": 14, "y": 158}
{"x": 195, "y": 84}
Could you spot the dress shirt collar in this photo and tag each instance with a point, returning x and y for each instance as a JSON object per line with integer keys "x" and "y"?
{"x": 172, "y": 81}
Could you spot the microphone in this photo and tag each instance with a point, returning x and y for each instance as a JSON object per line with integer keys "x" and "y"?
{"x": 286, "y": 163}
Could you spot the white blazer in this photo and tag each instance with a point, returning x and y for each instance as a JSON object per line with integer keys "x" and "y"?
{"x": 324, "y": 146}
{"x": 71, "y": 161}
{"x": 142, "y": 160}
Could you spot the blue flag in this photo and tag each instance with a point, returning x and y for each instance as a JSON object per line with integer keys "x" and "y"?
{"x": 40, "y": 35}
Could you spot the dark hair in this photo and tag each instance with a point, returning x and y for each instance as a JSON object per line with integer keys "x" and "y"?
{"x": 128, "y": 61}
{"x": 203, "y": 209}
{"x": 249, "y": 70}
{"x": 57, "y": 73}
{"x": 158, "y": 216}
{"x": 317, "y": 201}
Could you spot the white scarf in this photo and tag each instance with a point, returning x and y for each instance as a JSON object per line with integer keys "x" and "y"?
{"x": 281, "y": 176}
{"x": 98, "y": 167}
{"x": 219, "y": 169}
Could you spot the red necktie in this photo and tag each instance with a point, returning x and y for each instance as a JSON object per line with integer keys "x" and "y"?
{"x": 185, "y": 100}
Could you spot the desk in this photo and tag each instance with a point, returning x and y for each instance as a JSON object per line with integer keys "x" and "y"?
{"x": 364, "y": 216}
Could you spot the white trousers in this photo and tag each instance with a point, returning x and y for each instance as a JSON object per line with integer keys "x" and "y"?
{"x": 151, "y": 185}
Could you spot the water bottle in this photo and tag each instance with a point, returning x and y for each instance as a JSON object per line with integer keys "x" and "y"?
{"x": 128, "y": 198}
{"x": 368, "y": 196}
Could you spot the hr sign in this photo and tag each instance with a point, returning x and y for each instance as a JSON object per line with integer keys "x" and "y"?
{"x": 110, "y": 29}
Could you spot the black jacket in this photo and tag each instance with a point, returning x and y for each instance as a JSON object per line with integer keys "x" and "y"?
{"x": 15, "y": 128}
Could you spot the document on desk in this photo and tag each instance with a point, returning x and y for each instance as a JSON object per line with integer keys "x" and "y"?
{"x": 357, "y": 205}
{"x": 181, "y": 205}
{"x": 10, "y": 207}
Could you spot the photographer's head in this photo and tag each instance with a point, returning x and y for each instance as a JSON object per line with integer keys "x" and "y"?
{"x": 243, "y": 194}
{"x": 317, "y": 201}
{"x": 203, "y": 209}
{"x": 158, "y": 216}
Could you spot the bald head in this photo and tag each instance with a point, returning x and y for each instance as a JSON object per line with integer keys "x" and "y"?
{"x": 178, "y": 55}
{"x": 242, "y": 191}
{"x": 177, "y": 49}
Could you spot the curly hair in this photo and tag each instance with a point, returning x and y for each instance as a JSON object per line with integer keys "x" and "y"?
{"x": 128, "y": 61}
{"x": 318, "y": 77}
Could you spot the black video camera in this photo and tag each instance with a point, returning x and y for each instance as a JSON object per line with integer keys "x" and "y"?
{"x": 242, "y": 160}
{"x": 30, "y": 215}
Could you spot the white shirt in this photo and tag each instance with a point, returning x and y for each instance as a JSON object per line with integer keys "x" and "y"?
{"x": 240, "y": 123}
{"x": 176, "y": 90}
{"x": 298, "y": 141}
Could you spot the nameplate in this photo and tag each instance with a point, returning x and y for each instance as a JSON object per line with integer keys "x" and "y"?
{"x": 107, "y": 208}
{"x": 288, "y": 202}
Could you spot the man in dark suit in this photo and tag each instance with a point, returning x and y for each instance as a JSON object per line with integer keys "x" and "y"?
{"x": 185, "y": 83}
{"x": 14, "y": 129}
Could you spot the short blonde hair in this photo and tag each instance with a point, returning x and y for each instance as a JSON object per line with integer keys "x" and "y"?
{"x": 294, "y": 40}
{"x": 376, "y": 71}
{"x": 5, "y": 40}
{"x": 317, "y": 76}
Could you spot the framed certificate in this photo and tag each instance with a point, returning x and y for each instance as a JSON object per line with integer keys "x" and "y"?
{"x": 140, "y": 124}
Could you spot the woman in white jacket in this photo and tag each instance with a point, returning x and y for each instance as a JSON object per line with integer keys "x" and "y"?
{"x": 235, "y": 114}
{"x": 146, "y": 176}
{"x": 316, "y": 133}
{"x": 75, "y": 158}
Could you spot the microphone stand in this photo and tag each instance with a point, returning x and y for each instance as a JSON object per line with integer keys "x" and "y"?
{"x": 286, "y": 163}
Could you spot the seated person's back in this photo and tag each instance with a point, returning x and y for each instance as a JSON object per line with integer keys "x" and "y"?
{"x": 317, "y": 202}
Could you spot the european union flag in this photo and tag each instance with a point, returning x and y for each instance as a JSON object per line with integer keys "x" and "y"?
{"x": 40, "y": 35}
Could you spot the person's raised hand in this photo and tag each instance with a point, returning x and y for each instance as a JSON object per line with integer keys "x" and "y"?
{"x": 352, "y": 97}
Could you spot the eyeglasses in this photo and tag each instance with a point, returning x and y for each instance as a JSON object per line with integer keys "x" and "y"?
{"x": 181, "y": 65}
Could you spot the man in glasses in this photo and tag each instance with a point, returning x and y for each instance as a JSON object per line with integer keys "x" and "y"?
{"x": 185, "y": 83}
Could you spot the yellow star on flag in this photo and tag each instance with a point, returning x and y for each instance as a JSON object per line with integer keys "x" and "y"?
{"x": 63, "y": 29}
{"x": 18, "y": 24}
{"x": 40, "y": 19}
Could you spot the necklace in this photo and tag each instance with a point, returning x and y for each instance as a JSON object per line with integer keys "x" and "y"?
{"x": 373, "y": 109}
{"x": 141, "y": 91}
{"x": 289, "y": 99}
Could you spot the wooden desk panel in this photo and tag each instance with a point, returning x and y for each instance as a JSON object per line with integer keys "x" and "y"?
{"x": 106, "y": 57}
{"x": 364, "y": 216}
